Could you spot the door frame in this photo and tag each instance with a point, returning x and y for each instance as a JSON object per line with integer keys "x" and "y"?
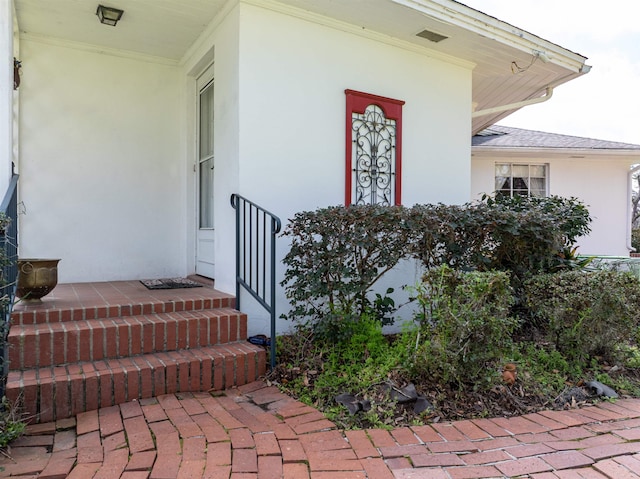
{"x": 203, "y": 81}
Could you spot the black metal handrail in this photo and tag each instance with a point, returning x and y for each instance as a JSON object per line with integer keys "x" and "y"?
{"x": 9, "y": 273}
{"x": 256, "y": 230}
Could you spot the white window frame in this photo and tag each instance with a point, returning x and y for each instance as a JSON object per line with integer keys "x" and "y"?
{"x": 502, "y": 191}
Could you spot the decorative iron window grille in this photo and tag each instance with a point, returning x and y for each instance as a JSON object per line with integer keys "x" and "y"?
{"x": 373, "y": 149}
{"x": 374, "y": 145}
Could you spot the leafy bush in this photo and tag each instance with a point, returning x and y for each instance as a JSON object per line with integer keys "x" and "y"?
{"x": 11, "y": 427}
{"x": 531, "y": 234}
{"x": 635, "y": 239}
{"x": 458, "y": 236}
{"x": 523, "y": 235}
{"x": 337, "y": 254}
{"x": 586, "y": 314}
{"x": 465, "y": 327}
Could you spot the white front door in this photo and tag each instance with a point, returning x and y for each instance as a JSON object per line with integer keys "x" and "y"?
{"x": 205, "y": 234}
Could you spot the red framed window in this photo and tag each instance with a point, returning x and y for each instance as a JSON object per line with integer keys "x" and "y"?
{"x": 373, "y": 149}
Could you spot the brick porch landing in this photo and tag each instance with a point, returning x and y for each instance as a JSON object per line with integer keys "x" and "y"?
{"x": 256, "y": 432}
{"x": 95, "y": 345}
{"x": 76, "y": 301}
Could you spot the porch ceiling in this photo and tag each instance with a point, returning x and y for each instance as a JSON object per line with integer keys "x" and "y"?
{"x": 168, "y": 28}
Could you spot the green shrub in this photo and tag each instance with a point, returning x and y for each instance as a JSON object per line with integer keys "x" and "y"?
{"x": 635, "y": 239}
{"x": 11, "y": 427}
{"x": 337, "y": 254}
{"x": 458, "y": 236}
{"x": 464, "y": 329}
{"x": 532, "y": 235}
{"x": 522, "y": 235}
{"x": 586, "y": 314}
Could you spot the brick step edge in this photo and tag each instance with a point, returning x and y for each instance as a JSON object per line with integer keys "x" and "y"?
{"x": 43, "y": 345}
{"x": 38, "y": 316}
{"x": 49, "y": 394}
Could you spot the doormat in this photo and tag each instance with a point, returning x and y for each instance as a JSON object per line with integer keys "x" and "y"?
{"x": 170, "y": 283}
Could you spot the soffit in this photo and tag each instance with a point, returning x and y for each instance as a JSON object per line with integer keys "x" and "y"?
{"x": 168, "y": 29}
{"x": 158, "y": 28}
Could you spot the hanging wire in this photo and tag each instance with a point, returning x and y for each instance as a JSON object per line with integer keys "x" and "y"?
{"x": 515, "y": 68}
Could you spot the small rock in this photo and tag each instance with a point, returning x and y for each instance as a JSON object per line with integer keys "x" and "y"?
{"x": 596, "y": 388}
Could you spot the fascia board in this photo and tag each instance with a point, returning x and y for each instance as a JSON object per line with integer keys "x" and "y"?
{"x": 475, "y": 21}
{"x": 541, "y": 153}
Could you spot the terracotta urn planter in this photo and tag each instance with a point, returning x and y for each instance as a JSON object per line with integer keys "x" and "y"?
{"x": 36, "y": 278}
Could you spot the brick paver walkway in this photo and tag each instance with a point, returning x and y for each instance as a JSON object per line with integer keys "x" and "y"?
{"x": 255, "y": 432}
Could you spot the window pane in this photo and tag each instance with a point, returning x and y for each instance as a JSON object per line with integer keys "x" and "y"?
{"x": 206, "y": 122}
{"x": 537, "y": 186}
{"x": 503, "y": 184}
{"x": 206, "y": 194}
{"x": 521, "y": 170}
{"x": 537, "y": 171}
{"x": 503, "y": 170}
{"x": 520, "y": 184}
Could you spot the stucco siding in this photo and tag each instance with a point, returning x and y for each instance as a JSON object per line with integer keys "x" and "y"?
{"x": 601, "y": 184}
{"x": 293, "y": 74}
{"x": 102, "y": 180}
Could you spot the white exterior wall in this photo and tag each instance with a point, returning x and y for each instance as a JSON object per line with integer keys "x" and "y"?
{"x": 102, "y": 164}
{"x": 293, "y": 74}
{"x": 6, "y": 94}
{"x": 600, "y": 183}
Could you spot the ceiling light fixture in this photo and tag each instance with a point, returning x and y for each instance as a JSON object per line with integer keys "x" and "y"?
{"x": 109, "y": 15}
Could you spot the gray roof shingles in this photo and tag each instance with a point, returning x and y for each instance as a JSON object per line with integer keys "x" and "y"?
{"x": 498, "y": 136}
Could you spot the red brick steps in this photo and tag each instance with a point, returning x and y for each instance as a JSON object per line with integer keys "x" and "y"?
{"x": 63, "y": 391}
{"x": 48, "y": 344}
{"x": 74, "y": 356}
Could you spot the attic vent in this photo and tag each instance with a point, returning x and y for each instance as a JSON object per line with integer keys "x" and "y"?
{"x": 431, "y": 36}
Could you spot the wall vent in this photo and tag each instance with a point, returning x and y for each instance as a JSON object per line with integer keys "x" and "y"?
{"x": 431, "y": 36}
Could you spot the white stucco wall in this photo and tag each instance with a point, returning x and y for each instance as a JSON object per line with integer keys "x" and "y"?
{"x": 600, "y": 183}
{"x": 102, "y": 164}
{"x": 293, "y": 74}
{"x": 7, "y": 94}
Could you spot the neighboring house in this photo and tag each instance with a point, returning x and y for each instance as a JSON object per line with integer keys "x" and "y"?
{"x": 598, "y": 172}
{"x": 130, "y": 139}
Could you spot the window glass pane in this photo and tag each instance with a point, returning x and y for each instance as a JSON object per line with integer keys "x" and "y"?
{"x": 206, "y": 122}
{"x": 503, "y": 170}
{"x": 520, "y": 184}
{"x": 537, "y": 171}
{"x": 521, "y": 170}
{"x": 537, "y": 186}
{"x": 503, "y": 183}
{"x": 206, "y": 193}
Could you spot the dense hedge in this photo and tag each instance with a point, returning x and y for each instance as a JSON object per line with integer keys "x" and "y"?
{"x": 337, "y": 254}
{"x": 586, "y": 314}
{"x": 463, "y": 327}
